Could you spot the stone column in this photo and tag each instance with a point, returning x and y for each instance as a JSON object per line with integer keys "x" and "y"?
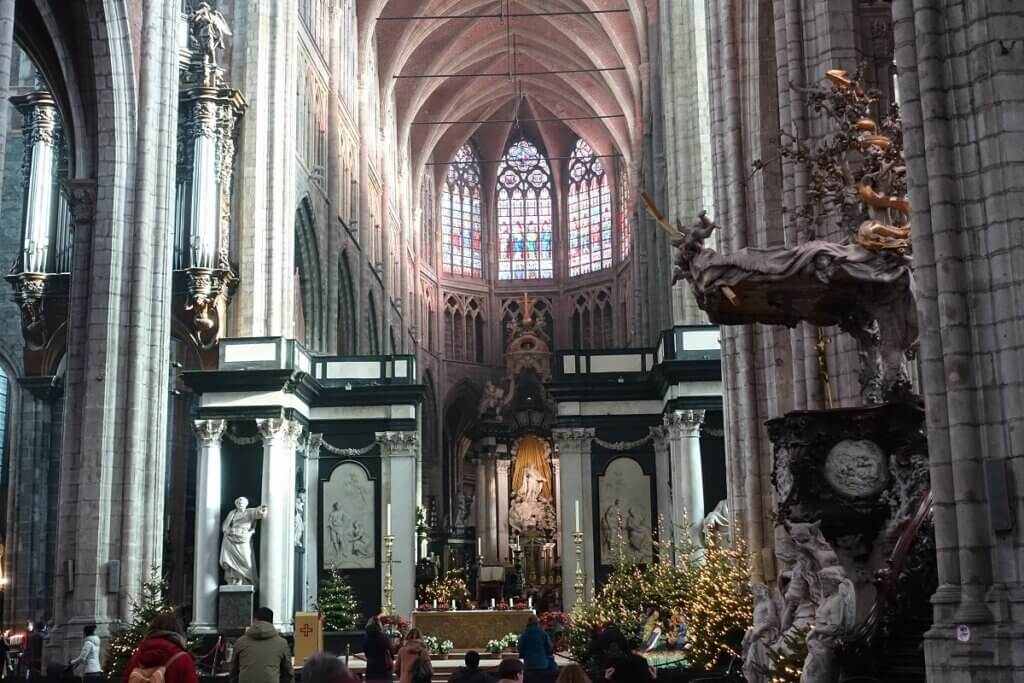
{"x": 399, "y": 450}
{"x": 663, "y": 482}
{"x": 556, "y": 491}
{"x": 484, "y": 501}
{"x": 687, "y": 477}
{"x": 573, "y": 447}
{"x": 206, "y": 572}
{"x": 311, "y": 571}
{"x": 501, "y": 468}
{"x": 276, "y": 570}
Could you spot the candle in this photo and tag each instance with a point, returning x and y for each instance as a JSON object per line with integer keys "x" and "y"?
{"x": 492, "y": 603}
{"x": 479, "y": 546}
{"x": 529, "y": 602}
{"x": 454, "y": 606}
{"x": 435, "y": 604}
{"x": 577, "y": 515}
{"x": 389, "y": 520}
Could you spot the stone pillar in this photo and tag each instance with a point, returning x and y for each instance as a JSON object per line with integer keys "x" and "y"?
{"x": 573, "y": 448}
{"x": 399, "y": 451}
{"x": 206, "y": 572}
{"x": 484, "y": 502}
{"x": 311, "y": 573}
{"x": 687, "y": 477}
{"x": 276, "y": 570}
{"x": 663, "y": 482}
{"x": 556, "y": 491}
{"x": 501, "y": 468}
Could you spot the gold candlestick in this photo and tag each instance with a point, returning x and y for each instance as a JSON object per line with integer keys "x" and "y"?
{"x": 389, "y": 587}
{"x": 581, "y": 580}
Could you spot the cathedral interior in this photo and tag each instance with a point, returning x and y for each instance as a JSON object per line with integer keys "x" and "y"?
{"x": 520, "y": 294}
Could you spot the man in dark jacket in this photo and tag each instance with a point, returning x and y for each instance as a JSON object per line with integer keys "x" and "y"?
{"x": 470, "y": 673}
{"x": 262, "y": 655}
{"x": 535, "y": 647}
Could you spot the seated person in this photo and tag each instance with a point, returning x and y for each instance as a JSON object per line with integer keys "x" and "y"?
{"x": 470, "y": 673}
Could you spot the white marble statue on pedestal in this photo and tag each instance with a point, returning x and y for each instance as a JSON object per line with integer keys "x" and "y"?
{"x": 236, "y": 548}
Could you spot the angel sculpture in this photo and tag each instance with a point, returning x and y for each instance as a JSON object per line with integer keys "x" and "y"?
{"x": 833, "y": 619}
{"x": 208, "y": 28}
{"x": 759, "y": 637}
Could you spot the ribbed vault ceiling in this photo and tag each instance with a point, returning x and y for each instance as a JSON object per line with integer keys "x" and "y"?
{"x": 454, "y": 47}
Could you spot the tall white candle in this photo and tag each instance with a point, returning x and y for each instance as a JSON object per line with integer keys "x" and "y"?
{"x": 389, "y": 520}
{"x": 529, "y": 602}
{"x": 435, "y": 604}
{"x": 577, "y": 515}
{"x": 492, "y": 603}
{"x": 479, "y": 546}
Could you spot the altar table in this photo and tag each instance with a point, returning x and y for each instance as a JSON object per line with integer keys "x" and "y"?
{"x": 471, "y": 629}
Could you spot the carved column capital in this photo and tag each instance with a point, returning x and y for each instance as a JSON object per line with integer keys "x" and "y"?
{"x": 575, "y": 438}
{"x": 81, "y": 197}
{"x": 279, "y": 430}
{"x": 207, "y": 431}
{"x": 503, "y": 464}
{"x": 313, "y": 444}
{"x": 398, "y": 443}
{"x": 684, "y": 422}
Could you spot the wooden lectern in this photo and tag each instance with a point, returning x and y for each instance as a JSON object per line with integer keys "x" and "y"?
{"x": 309, "y": 636}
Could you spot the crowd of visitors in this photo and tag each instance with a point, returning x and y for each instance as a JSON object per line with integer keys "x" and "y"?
{"x": 262, "y": 655}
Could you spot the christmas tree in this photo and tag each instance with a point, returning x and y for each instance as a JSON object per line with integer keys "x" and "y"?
{"x": 144, "y": 609}
{"x": 337, "y": 602}
{"x": 787, "y": 658}
{"x": 719, "y": 605}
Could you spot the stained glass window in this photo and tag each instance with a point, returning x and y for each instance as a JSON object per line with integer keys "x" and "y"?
{"x": 524, "y": 214}
{"x": 625, "y": 227}
{"x": 590, "y": 213}
{"x": 460, "y": 216}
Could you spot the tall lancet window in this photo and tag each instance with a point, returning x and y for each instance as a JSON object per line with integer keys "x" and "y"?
{"x": 590, "y": 213}
{"x": 625, "y": 227}
{"x": 524, "y": 214}
{"x": 460, "y": 216}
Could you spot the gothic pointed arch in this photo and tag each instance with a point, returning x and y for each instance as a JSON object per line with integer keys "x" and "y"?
{"x": 589, "y": 212}
{"x": 308, "y": 308}
{"x": 461, "y": 216}
{"x": 525, "y": 200}
{"x": 348, "y": 328}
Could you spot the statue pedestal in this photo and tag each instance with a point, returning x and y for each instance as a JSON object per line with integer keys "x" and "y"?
{"x": 234, "y": 609}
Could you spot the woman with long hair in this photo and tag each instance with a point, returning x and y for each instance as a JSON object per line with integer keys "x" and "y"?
{"x": 325, "y": 668}
{"x": 413, "y": 662}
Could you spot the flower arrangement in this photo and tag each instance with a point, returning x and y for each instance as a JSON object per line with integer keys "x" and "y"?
{"x": 438, "y": 646}
{"x": 520, "y": 604}
{"x": 395, "y": 627}
{"x": 507, "y": 642}
{"x": 502, "y": 606}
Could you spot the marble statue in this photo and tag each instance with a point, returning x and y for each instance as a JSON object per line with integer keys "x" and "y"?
{"x": 716, "y": 524}
{"x": 300, "y": 519}
{"x": 492, "y": 399}
{"x": 463, "y": 509}
{"x": 833, "y": 619}
{"x": 532, "y": 486}
{"x": 808, "y": 538}
{"x": 208, "y": 29}
{"x": 758, "y": 640}
{"x": 236, "y": 548}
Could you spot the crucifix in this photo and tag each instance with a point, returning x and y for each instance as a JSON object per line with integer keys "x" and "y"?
{"x": 527, "y": 315}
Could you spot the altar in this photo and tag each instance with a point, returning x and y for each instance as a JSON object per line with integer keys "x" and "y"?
{"x": 471, "y": 629}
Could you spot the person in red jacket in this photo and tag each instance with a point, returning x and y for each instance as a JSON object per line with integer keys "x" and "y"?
{"x": 164, "y": 639}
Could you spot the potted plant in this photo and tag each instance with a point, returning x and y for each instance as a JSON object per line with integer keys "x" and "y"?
{"x": 511, "y": 641}
{"x": 444, "y": 648}
{"x": 496, "y": 646}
